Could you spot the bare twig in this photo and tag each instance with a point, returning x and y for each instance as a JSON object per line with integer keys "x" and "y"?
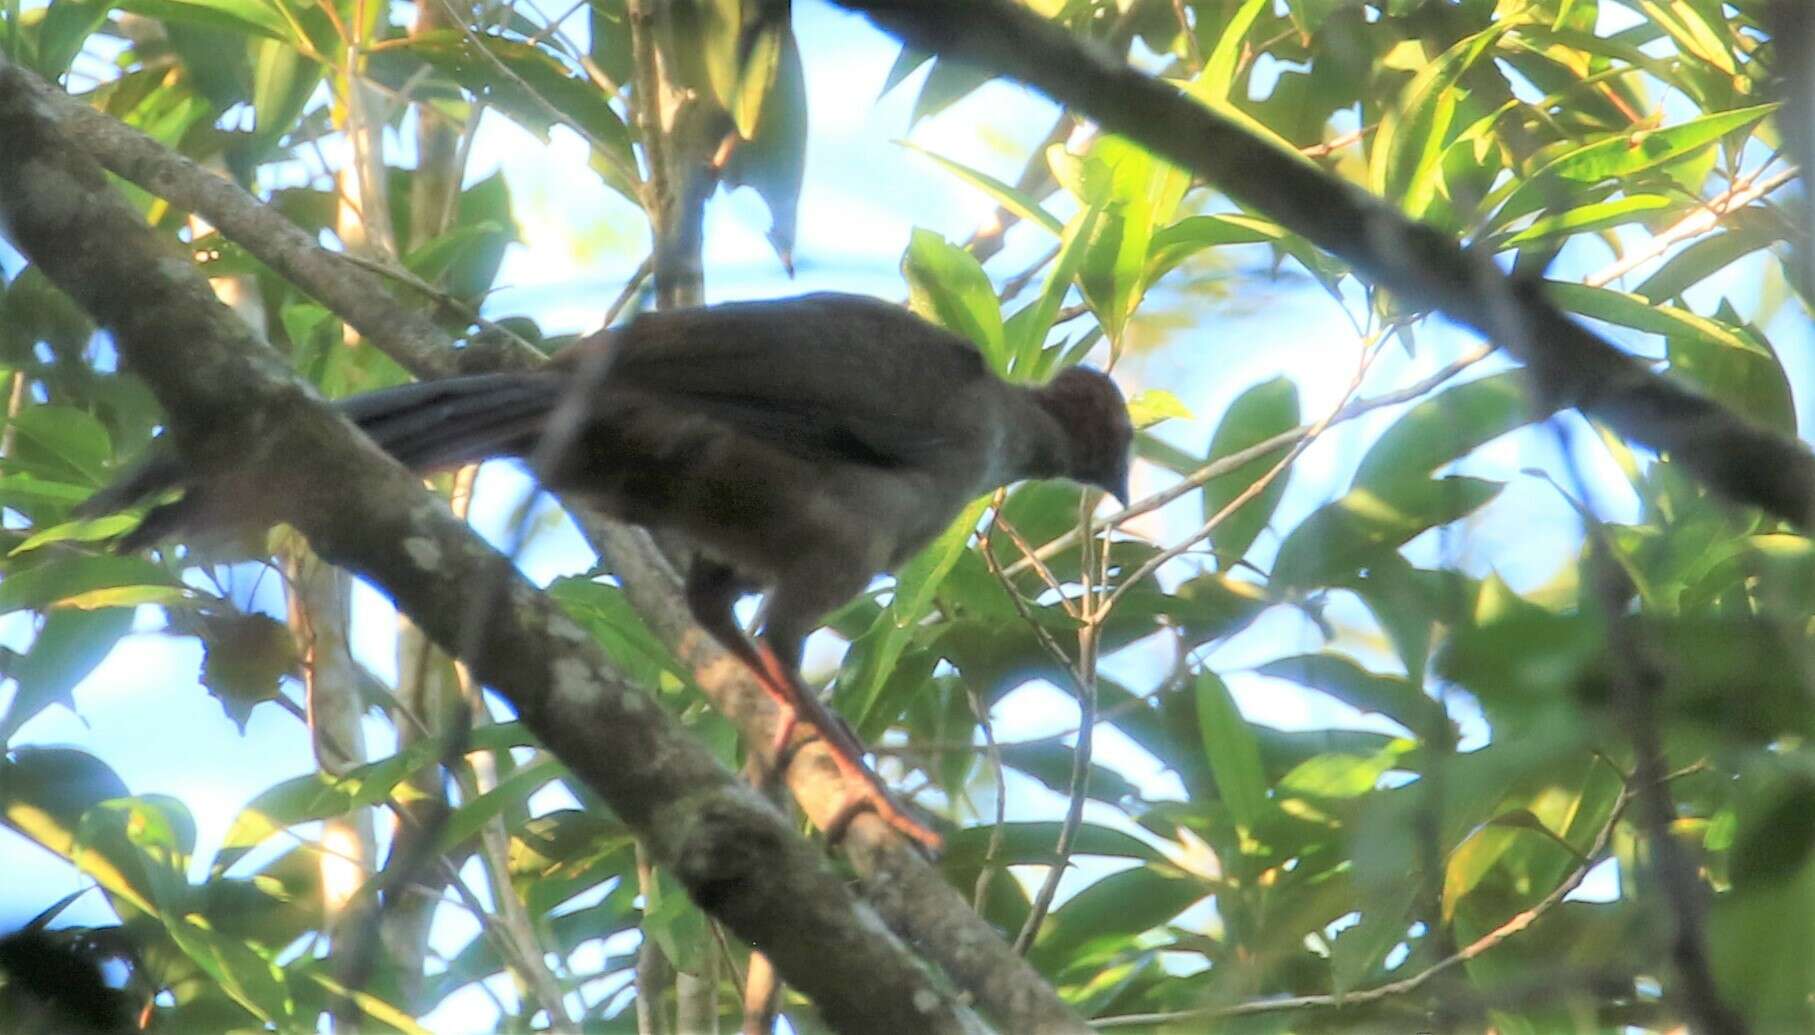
{"x": 1511, "y": 926}
{"x": 1705, "y": 218}
{"x": 1241, "y": 458}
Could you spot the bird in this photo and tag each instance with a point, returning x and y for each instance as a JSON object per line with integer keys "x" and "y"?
{"x": 799, "y": 447}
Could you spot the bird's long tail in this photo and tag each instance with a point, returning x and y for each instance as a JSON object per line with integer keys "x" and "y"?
{"x": 426, "y": 426}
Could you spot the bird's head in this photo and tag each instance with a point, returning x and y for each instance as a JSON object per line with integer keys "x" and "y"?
{"x": 1090, "y": 408}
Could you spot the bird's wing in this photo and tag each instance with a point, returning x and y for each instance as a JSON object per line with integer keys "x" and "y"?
{"x": 824, "y": 377}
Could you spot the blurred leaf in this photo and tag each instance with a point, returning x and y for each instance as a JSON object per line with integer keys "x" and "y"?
{"x": 75, "y": 580}
{"x": 1443, "y": 428}
{"x": 61, "y": 442}
{"x": 1626, "y": 154}
{"x": 68, "y": 647}
{"x": 1153, "y": 405}
{"x": 1598, "y": 215}
{"x": 65, "y": 28}
{"x": 1021, "y": 204}
{"x": 1230, "y": 749}
{"x": 1026, "y": 331}
{"x": 1112, "y": 909}
{"x": 1341, "y": 677}
{"x": 1344, "y": 536}
{"x": 45, "y": 791}
{"x": 536, "y": 75}
{"x": 772, "y": 160}
{"x": 1031, "y": 844}
{"x": 1403, "y": 162}
{"x": 881, "y": 646}
{"x": 1262, "y": 412}
{"x": 1751, "y": 380}
{"x": 946, "y": 286}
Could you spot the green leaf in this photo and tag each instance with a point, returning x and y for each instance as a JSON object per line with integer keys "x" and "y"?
{"x": 1153, "y": 405}
{"x": 1599, "y": 215}
{"x": 66, "y": 27}
{"x": 1218, "y": 77}
{"x": 1704, "y": 258}
{"x": 44, "y": 792}
{"x": 1231, "y": 751}
{"x": 1618, "y": 307}
{"x": 1344, "y": 536}
{"x": 1408, "y": 147}
{"x": 948, "y": 287}
{"x": 1262, "y": 412}
{"x": 244, "y": 656}
{"x": 22, "y": 491}
{"x": 79, "y": 581}
{"x": 1020, "y": 203}
{"x": 772, "y": 159}
{"x": 243, "y": 17}
{"x": 1027, "y": 330}
{"x": 511, "y": 793}
{"x": 1193, "y": 234}
{"x": 61, "y": 442}
{"x": 1339, "y": 775}
{"x": 915, "y": 585}
{"x": 1694, "y": 33}
{"x": 90, "y": 530}
{"x": 1341, "y": 677}
{"x": 537, "y": 74}
{"x": 1444, "y": 428}
{"x": 1751, "y": 381}
{"x": 1625, "y": 154}
{"x": 283, "y": 81}
{"x": 1114, "y": 909}
{"x": 68, "y": 647}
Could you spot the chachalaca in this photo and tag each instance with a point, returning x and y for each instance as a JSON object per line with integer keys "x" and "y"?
{"x": 799, "y": 446}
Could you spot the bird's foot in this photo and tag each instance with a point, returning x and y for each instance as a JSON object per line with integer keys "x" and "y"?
{"x": 867, "y": 794}
{"x": 866, "y": 791}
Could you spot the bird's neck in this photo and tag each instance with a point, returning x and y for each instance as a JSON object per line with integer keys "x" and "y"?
{"x": 1041, "y": 443}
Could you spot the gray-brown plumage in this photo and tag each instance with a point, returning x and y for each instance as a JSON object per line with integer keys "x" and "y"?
{"x": 800, "y": 446}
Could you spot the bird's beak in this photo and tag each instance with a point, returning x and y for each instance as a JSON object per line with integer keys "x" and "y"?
{"x": 1120, "y": 490}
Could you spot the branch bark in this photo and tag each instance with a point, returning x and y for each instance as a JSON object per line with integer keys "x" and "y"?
{"x": 912, "y": 897}
{"x": 236, "y": 409}
{"x": 1570, "y": 365}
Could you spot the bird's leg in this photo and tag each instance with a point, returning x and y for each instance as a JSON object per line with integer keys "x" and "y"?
{"x": 711, "y": 590}
{"x": 846, "y": 750}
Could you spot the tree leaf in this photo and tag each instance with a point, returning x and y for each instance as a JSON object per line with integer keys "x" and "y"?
{"x": 1342, "y": 537}
{"x": 946, "y": 286}
{"x": 1231, "y": 751}
{"x": 1258, "y": 414}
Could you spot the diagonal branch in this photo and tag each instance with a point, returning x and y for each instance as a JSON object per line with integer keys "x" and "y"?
{"x": 1570, "y": 365}
{"x": 283, "y": 456}
{"x": 912, "y": 897}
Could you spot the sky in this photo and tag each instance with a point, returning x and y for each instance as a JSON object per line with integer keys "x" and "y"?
{"x": 145, "y": 714}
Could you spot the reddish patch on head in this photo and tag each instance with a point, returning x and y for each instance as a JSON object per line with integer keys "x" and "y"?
{"x": 1094, "y": 415}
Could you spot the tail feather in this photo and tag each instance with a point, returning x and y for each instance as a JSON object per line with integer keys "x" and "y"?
{"x": 437, "y": 424}
{"x": 426, "y": 426}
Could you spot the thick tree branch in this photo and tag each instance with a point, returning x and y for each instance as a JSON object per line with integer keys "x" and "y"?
{"x": 236, "y": 409}
{"x": 1570, "y": 365}
{"x": 913, "y": 899}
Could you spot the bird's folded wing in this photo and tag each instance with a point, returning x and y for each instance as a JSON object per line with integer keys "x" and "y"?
{"x": 826, "y": 378}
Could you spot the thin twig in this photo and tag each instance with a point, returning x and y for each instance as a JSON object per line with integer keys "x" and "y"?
{"x": 1241, "y": 458}
{"x": 1241, "y": 499}
{"x": 1085, "y": 676}
{"x": 993, "y": 754}
{"x": 1704, "y": 219}
{"x": 1511, "y": 926}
